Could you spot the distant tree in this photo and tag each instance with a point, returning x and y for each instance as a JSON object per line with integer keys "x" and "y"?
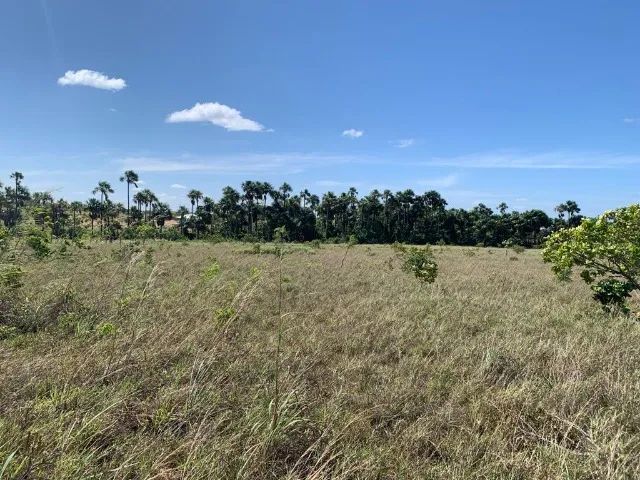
{"x": 104, "y": 189}
{"x": 17, "y": 177}
{"x": 561, "y": 209}
{"x": 502, "y": 208}
{"x": 94, "y": 209}
{"x": 131, "y": 178}
{"x": 194, "y": 197}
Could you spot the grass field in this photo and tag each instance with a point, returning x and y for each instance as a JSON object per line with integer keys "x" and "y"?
{"x": 203, "y": 361}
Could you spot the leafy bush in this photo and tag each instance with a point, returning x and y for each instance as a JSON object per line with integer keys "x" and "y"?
{"x": 39, "y": 242}
{"x": 606, "y": 248}
{"x": 280, "y": 234}
{"x": 211, "y": 271}
{"x": 11, "y": 276}
{"x": 612, "y": 294}
{"x": 420, "y": 262}
{"x": 224, "y": 313}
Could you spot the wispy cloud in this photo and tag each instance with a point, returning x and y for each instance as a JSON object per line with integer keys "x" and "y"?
{"x": 218, "y": 114}
{"x": 631, "y": 120}
{"x": 90, "y": 78}
{"x": 404, "y": 143}
{"x": 178, "y": 186}
{"x": 353, "y": 133}
{"x": 240, "y": 164}
{"x": 546, "y": 160}
{"x": 337, "y": 183}
{"x": 440, "y": 182}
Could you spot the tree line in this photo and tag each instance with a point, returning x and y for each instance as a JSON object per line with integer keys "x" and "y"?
{"x": 256, "y": 210}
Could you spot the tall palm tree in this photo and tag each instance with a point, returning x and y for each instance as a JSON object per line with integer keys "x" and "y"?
{"x": 76, "y": 207}
{"x": 93, "y": 209}
{"x": 18, "y": 177}
{"x": 104, "y": 189}
{"x": 194, "y": 197}
{"x": 131, "y": 178}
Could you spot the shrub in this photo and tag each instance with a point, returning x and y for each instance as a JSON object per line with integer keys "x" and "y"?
{"x": 211, "y": 271}
{"x": 607, "y": 249}
{"x": 39, "y": 243}
{"x": 106, "y": 328}
{"x": 224, "y": 313}
{"x": 280, "y": 234}
{"x": 518, "y": 249}
{"x": 421, "y": 263}
{"x": 11, "y": 276}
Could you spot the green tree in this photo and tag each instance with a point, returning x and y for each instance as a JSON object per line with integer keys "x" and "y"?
{"x": 606, "y": 249}
{"x": 131, "y": 178}
{"x": 104, "y": 189}
{"x": 194, "y": 197}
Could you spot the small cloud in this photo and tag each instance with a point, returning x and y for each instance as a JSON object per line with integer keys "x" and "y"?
{"x": 336, "y": 183}
{"x": 353, "y": 133}
{"x": 89, "y": 78}
{"x": 631, "y": 120}
{"x": 221, "y": 115}
{"x": 440, "y": 182}
{"x": 178, "y": 186}
{"x": 113, "y": 110}
{"x": 404, "y": 142}
{"x": 166, "y": 196}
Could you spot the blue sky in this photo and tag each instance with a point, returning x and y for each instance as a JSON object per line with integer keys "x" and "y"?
{"x": 530, "y": 102}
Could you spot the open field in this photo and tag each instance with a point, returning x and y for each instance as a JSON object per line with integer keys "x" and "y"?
{"x": 166, "y": 363}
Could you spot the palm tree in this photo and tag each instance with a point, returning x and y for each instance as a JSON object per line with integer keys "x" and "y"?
{"x": 76, "y": 207}
{"x": 94, "y": 207}
{"x": 195, "y": 196}
{"x": 18, "y": 177}
{"x": 131, "y": 178}
{"x": 502, "y": 208}
{"x": 104, "y": 188}
{"x": 571, "y": 208}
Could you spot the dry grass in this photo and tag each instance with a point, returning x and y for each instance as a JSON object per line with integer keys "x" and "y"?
{"x": 494, "y": 371}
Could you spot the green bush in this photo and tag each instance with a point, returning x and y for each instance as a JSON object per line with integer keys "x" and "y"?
{"x": 420, "y": 262}
{"x": 39, "y": 242}
{"x": 607, "y": 249}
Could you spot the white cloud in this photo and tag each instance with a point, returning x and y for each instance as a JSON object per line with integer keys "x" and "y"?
{"x": 546, "y": 160}
{"x": 218, "y": 114}
{"x": 178, "y": 186}
{"x": 631, "y": 120}
{"x": 89, "y": 78}
{"x": 404, "y": 142}
{"x": 337, "y": 183}
{"x": 353, "y": 133}
{"x": 239, "y": 164}
{"x": 440, "y": 182}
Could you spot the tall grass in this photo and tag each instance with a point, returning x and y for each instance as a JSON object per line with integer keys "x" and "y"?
{"x": 302, "y": 366}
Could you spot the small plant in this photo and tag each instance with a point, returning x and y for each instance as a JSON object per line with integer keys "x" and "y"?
{"x": 39, "y": 243}
{"x": 421, "y": 262}
{"x": 256, "y": 248}
{"x": 211, "y": 271}
{"x": 316, "y": 243}
{"x": 11, "y": 276}
{"x": 224, "y": 313}
{"x": 7, "y": 332}
{"x": 518, "y": 249}
{"x": 106, "y": 328}
{"x": 280, "y": 235}
{"x": 399, "y": 247}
